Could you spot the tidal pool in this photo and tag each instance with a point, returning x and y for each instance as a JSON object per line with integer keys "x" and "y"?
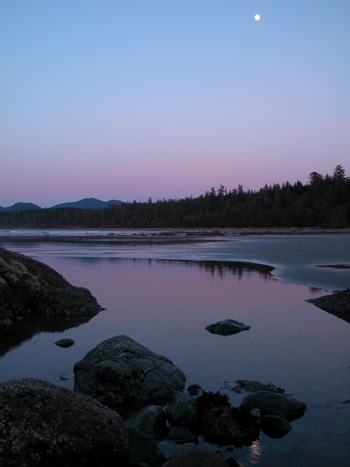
{"x": 164, "y": 296}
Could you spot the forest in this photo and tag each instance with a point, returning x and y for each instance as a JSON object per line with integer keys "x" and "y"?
{"x": 323, "y": 202}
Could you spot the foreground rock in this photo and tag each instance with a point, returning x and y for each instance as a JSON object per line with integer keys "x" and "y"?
{"x": 270, "y": 403}
{"x": 338, "y": 304}
{"x": 227, "y": 327}
{"x": 125, "y": 375}
{"x": 150, "y": 421}
{"x": 44, "y": 425}
{"x": 29, "y": 287}
{"x": 143, "y": 450}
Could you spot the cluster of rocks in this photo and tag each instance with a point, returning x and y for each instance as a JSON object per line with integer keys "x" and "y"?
{"x": 42, "y": 424}
{"x": 29, "y": 288}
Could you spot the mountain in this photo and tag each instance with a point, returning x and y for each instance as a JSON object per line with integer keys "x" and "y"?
{"x": 20, "y": 207}
{"x": 88, "y": 203}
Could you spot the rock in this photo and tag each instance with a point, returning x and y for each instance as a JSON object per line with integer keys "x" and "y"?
{"x": 182, "y": 413}
{"x": 150, "y": 421}
{"x": 227, "y": 327}
{"x": 29, "y": 287}
{"x": 180, "y": 434}
{"x": 255, "y": 386}
{"x": 45, "y": 425}
{"x": 275, "y": 426}
{"x": 143, "y": 450}
{"x": 271, "y": 403}
{"x": 191, "y": 455}
{"x": 194, "y": 389}
{"x": 65, "y": 343}
{"x": 338, "y": 304}
{"x": 221, "y": 423}
{"x": 125, "y": 375}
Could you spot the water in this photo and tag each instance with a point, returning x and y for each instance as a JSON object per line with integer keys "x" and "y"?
{"x": 164, "y": 295}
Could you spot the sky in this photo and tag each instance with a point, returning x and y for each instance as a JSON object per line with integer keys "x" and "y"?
{"x": 131, "y": 99}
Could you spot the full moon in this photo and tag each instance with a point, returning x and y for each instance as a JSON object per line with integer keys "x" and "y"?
{"x": 257, "y": 17}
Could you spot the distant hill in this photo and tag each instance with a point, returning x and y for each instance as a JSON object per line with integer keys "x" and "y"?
{"x": 20, "y": 207}
{"x": 88, "y": 203}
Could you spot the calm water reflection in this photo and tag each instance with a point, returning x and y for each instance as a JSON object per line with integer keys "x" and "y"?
{"x": 166, "y": 306}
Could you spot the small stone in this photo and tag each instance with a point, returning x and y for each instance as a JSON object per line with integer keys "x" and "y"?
{"x": 227, "y": 327}
{"x": 65, "y": 343}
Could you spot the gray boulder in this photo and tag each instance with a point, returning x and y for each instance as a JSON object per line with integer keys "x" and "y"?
{"x": 182, "y": 412}
{"x": 227, "y": 327}
{"x": 29, "y": 287}
{"x": 270, "y": 403}
{"x": 191, "y": 455}
{"x": 125, "y": 375}
{"x": 150, "y": 420}
{"x": 45, "y": 425}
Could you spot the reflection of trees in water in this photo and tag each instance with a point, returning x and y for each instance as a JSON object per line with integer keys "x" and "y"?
{"x": 26, "y": 328}
{"x": 221, "y": 269}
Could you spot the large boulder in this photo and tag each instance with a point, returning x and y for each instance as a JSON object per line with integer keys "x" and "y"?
{"x": 125, "y": 375}
{"x": 45, "y": 425}
{"x": 271, "y": 403}
{"x": 29, "y": 287}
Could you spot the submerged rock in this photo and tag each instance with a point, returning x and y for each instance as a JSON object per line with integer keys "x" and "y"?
{"x": 29, "y": 287}
{"x": 275, "y": 426}
{"x": 45, "y": 425}
{"x": 251, "y": 385}
{"x": 227, "y": 327}
{"x": 180, "y": 434}
{"x": 338, "y": 304}
{"x": 191, "y": 455}
{"x": 125, "y": 375}
{"x": 270, "y": 403}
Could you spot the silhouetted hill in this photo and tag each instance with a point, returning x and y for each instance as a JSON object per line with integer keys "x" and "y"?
{"x": 20, "y": 207}
{"x": 88, "y": 203}
{"x": 324, "y": 202}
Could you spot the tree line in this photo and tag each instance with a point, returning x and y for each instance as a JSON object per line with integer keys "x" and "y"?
{"x": 322, "y": 202}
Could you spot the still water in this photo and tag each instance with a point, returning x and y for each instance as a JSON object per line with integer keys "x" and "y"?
{"x": 164, "y": 296}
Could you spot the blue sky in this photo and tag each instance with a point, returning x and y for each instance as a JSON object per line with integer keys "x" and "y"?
{"x": 129, "y": 99}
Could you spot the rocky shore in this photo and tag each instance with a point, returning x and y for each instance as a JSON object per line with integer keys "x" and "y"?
{"x": 29, "y": 288}
{"x": 42, "y": 424}
{"x": 338, "y": 304}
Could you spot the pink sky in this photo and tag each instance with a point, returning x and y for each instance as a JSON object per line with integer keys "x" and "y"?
{"x": 127, "y": 100}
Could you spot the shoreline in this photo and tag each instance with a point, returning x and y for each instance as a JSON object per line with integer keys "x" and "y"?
{"x": 156, "y": 235}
